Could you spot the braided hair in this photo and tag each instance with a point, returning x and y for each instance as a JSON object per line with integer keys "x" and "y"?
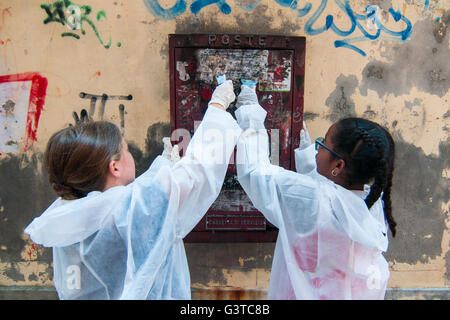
{"x": 369, "y": 153}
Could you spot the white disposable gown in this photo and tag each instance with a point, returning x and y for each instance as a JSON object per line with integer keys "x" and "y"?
{"x": 127, "y": 242}
{"x": 329, "y": 244}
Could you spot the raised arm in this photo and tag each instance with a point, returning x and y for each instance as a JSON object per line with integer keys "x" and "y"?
{"x": 193, "y": 183}
{"x": 305, "y": 154}
{"x": 283, "y": 196}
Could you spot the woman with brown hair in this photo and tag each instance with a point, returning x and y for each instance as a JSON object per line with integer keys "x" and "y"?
{"x": 117, "y": 237}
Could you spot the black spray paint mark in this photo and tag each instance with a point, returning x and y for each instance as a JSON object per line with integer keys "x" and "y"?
{"x": 153, "y": 146}
{"x": 383, "y": 4}
{"x": 409, "y": 105}
{"x": 447, "y": 265}
{"x": 207, "y": 261}
{"x": 13, "y": 272}
{"x": 103, "y": 99}
{"x": 310, "y": 116}
{"x": 122, "y": 117}
{"x": 441, "y": 27}
{"x": 340, "y": 100}
{"x": 24, "y": 194}
{"x": 369, "y": 113}
{"x": 8, "y": 106}
{"x": 447, "y": 114}
{"x": 246, "y": 23}
{"x": 421, "y": 63}
{"x": 419, "y": 190}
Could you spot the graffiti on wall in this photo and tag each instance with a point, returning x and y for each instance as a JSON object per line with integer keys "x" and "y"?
{"x": 368, "y": 24}
{"x": 22, "y": 98}
{"x": 74, "y": 17}
{"x": 103, "y": 98}
{"x": 4, "y": 39}
{"x": 8, "y": 61}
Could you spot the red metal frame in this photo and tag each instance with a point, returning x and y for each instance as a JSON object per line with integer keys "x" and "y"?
{"x": 291, "y": 45}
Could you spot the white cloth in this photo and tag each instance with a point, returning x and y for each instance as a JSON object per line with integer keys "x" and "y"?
{"x": 127, "y": 242}
{"x": 329, "y": 244}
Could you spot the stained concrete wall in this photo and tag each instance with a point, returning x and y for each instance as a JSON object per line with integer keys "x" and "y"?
{"x": 399, "y": 78}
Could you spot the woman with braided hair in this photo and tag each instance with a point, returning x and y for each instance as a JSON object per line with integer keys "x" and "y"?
{"x": 332, "y": 214}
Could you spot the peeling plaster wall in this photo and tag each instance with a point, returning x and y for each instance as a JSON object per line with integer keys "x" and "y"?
{"x": 115, "y": 63}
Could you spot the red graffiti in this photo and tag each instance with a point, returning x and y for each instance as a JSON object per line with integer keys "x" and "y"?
{"x": 4, "y": 12}
{"x": 5, "y": 42}
{"x": 33, "y": 249}
{"x": 35, "y": 103}
{"x": 96, "y": 74}
{"x": 2, "y": 25}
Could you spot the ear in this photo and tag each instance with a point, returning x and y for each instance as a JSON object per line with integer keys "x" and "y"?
{"x": 113, "y": 168}
{"x": 340, "y": 166}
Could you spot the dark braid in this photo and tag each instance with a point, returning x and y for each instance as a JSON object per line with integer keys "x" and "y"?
{"x": 368, "y": 150}
{"x": 380, "y": 174}
{"x": 387, "y": 191}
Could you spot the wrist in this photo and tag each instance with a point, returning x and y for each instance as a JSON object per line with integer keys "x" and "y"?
{"x": 217, "y": 105}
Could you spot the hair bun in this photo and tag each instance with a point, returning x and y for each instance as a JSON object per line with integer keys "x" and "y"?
{"x": 64, "y": 191}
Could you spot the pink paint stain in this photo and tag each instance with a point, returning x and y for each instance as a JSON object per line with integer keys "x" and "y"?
{"x": 35, "y": 103}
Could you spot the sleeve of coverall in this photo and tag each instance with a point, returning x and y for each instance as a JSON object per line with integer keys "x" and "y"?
{"x": 281, "y": 195}
{"x": 193, "y": 183}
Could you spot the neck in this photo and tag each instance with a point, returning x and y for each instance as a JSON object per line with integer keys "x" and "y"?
{"x": 342, "y": 181}
{"x": 111, "y": 182}
{"x": 359, "y": 187}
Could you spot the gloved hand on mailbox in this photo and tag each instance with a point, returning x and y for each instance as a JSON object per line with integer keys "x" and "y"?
{"x": 223, "y": 94}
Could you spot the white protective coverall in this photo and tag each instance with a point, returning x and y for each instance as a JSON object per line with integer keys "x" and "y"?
{"x": 329, "y": 244}
{"x": 127, "y": 242}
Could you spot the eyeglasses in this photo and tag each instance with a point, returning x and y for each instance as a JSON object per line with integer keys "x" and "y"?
{"x": 320, "y": 144}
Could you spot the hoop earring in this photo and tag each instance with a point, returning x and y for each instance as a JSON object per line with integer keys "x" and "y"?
{"x": 333, "y": 172}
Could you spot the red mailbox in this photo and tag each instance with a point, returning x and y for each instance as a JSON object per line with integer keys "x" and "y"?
{"x": 278, "y": 63}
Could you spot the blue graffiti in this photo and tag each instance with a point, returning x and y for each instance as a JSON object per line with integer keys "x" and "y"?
{"x": 311, "y": 29}
{"x": 166, "y": 14}
{"x": 180, "y": 7}
{"x": 248, "y": 7}
{"x": 292, "y": 4}
{"x": 355, "y": 22}
{"x": 198, "y": 5}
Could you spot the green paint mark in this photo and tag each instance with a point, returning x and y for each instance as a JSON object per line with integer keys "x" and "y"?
{"x": 56, "y": 13}
{"x": 97, "y": 34}
{"x": 100, "y": 14}
{"x": 119, "y": 44}
{"x": 70, "y": 34}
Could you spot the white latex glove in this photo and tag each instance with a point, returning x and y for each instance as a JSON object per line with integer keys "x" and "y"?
{"x": 305, "y": 139}
{"x": 223, "y": 94}
{"x": 247, "y": 96}
{"x": 175, "y": 155}
{"x": 169, "y": 152}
